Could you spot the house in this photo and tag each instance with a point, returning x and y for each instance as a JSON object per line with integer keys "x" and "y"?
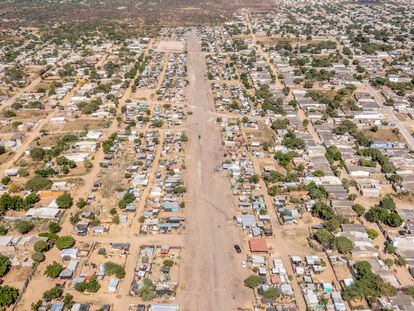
{"x": 338, "y": 301}
{"x": 164, "y": 307}
{"x": 11, "y": 172}
{"x": 58, "y": 120}
{"x": 120, "y": 246}
{"x": 45, "y": 213}
{"x": 86, "y": 146}
{"x": 58, "y": 306}
{"x": 247, "y": 221}
{"x": 95, "y": 135}
{"x": 69, "y": 253}
{"x": 258, "y": 246}
{"x": 81, "y": 228}
{"x": 98, "y": 230}
{"x": 113, "y": 285}
{"x": 369, "y": 187}
{"x": 77, "y": 157}
{"x": 80, "y": 307}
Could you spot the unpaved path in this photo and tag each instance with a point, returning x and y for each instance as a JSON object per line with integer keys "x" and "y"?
{"x": 211, "y": 269}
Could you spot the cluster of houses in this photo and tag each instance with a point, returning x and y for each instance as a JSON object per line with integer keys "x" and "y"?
{"x": 160, "y": 265}
{"x": 163, "y": 210}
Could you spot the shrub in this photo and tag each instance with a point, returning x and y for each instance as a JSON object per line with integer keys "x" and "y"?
{"x": 38, "y": 183}
{"x": 168, "y": 262}
{"x": 112, "y": 268}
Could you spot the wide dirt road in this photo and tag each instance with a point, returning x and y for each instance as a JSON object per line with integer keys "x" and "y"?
{"x": 211, "y": 269}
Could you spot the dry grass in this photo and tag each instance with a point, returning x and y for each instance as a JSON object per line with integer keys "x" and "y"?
{"x": 385, "y": 134}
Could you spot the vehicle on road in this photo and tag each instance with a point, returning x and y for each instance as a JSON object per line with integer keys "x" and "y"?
{"x": 237, "y": 248}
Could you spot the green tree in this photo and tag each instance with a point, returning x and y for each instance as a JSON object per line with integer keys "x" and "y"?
{"x": 316, "y": 192}
{"x": 32, "y": 198}
{"x": 388, "y": 203}
{"x": 65, "y": 242}
{"x": 5, "y": 180}
{"x": 8, "y": 295}
{"x": 252, "y": 281}
{"x": 65, "y": 200}
{"x": 41, "y": 246}
{"x": 38, "y": 257}
{"x": 53, "y": 270}
{"x": 376, "y": 213}
{"x": 394, "y": 220}
{"x": 128, "y": 198}
{"x": 343, "y": 245}
{"x": 323, "y": 211}
{"x": 147, "y": 291}
{"x": 400, "y": 261}
{"x": 324, "y": 237}
{"x": 52, "y": 294}
{"x": 37, "y": 154}
{"x": 53, "y": 227}
{"x": 389, "y": 262}
{"x": 358, "y": 209}
{"x": 372, "y": 233}
{"x": 332, "y": 225}
{"x": 8, "y": 202}
{"x": 272, "y": 293}
{"x": 3, "y": 230}
{"x": 81, "y": 203}
{"x": 409, "y": 290}
{"x": 389, "y": 248}
{"x": 280, "y": 124}
{"x": 68, "y": 301}
{"x": 4, "y": 265}
{"x": 367, "y": 285}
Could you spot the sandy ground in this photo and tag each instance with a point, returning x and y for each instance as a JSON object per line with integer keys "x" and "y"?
{"x": 212, "y": 272}
{"x": 171, "y": 46}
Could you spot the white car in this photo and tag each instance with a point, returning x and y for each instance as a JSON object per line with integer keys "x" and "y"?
{"x": 244, "y": 264}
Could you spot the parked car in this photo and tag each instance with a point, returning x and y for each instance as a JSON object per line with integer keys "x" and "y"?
{"x": 237, "y": 248}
